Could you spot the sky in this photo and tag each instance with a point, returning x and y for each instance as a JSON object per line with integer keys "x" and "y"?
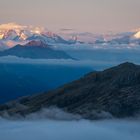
{"x": 98, "y": 16}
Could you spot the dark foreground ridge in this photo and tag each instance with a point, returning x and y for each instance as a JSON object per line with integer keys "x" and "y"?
{"x": 112, "y": 92}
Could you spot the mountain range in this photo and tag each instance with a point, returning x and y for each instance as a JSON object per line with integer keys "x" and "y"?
{"x": 12, "y": 34}
{"x": 94, "y": 38}
{"x": 114, "y": 92}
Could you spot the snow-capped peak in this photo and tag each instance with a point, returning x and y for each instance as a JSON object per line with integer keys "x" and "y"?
{"x": 137, "y": 35}
{"x": 12, "y": 34}
{"x": 13, "y": 31}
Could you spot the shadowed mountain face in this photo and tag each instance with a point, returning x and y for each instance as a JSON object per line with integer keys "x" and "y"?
{"x": 112, "y": 92}
{"x": 35, "y": 50}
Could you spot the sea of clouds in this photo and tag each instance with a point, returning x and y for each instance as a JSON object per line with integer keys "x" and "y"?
{"x": 94, "y": 64}
{"x": 55, "y": 124}
{"x": 97, "y": 59}
{"x": 69, "y": 130}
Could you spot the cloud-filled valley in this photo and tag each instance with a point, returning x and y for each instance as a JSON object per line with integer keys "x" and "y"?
{"x": 70, "y": 70}
{"x": 70, "y": 130}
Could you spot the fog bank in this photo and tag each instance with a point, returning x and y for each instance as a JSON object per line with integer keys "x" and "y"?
{"x": 70, "y": 130}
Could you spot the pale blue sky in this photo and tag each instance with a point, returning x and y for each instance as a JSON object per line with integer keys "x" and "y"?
{"x": 84, "y": 15}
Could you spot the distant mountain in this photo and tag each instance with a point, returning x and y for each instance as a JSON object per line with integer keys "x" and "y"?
{"x": 83, "y": 37}
{"x": 121, "y": 40}
{"x": 12, "y": 34}
{"x": 137, "y": 34}
{"x": 112, "y": 92}
{"x": 125, "y": 38}
{"x": 36, "y": 50}
{"x": 18, "y": 33}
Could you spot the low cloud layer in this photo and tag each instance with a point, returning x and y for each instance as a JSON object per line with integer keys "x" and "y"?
{"x": 94, "y": 64}
{"x": 70, "y": 130}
